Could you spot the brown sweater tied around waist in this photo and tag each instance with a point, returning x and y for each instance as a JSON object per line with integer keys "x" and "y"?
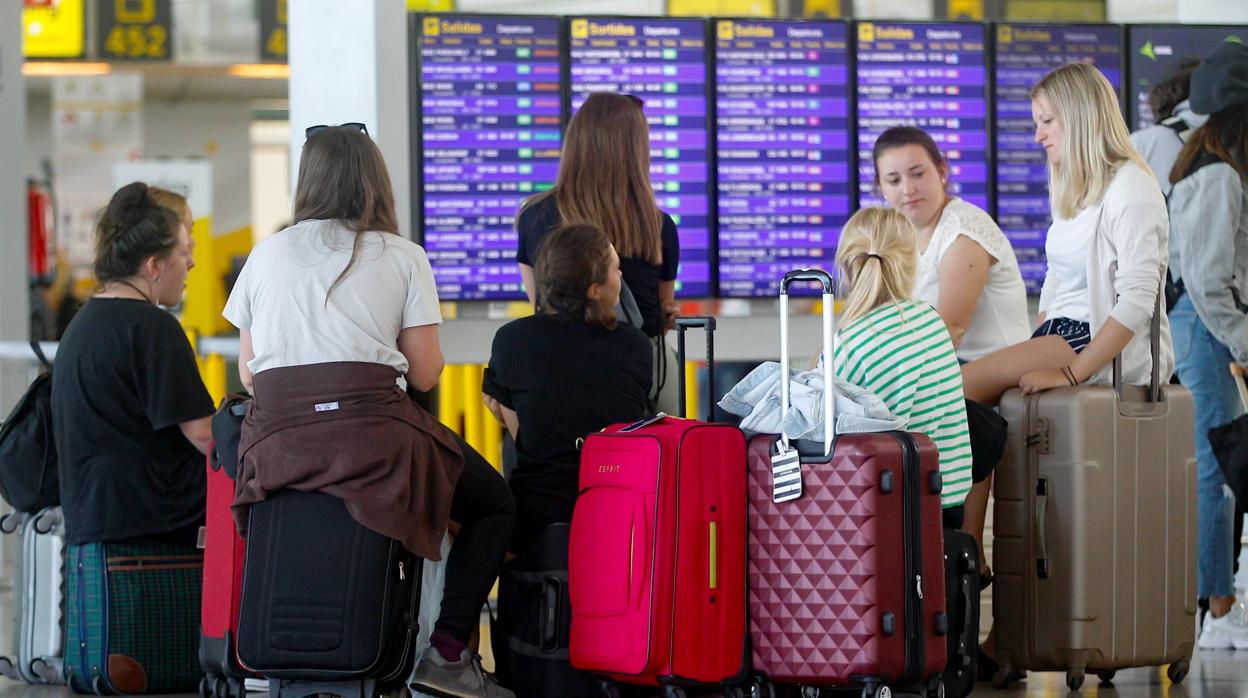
{"x": 346, "y": 429}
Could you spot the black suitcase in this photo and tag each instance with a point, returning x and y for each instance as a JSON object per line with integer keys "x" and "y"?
{"x": 962, "y": 605}
{"x": 328, "y": 606}
{"x": 530, "y": 636}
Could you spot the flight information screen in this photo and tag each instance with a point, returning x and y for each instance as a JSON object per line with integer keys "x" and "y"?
{"x": 782, "y": 112}
{"x": 1154, "y": 47}
{"x": 1024, "y": 54}
{"x": 491, "y": 107}
{"x": 663, "y": 62}
{"x": 932, "y": 76}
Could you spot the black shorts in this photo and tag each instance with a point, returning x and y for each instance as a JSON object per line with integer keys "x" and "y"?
{"x": 1076, "y": 332}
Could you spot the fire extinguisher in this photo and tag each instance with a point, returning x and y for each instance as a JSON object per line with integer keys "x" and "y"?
{"x": 42, "y": 254}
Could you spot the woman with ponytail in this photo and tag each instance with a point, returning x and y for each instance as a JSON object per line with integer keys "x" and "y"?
{"x": 130, "y": 412}
{"x": 899, "y": 348}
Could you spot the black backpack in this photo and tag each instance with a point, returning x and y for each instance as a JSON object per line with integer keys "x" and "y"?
{"x": 28, "y": 477}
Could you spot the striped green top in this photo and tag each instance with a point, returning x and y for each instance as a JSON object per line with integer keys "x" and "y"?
{"x": 902, "y": 353}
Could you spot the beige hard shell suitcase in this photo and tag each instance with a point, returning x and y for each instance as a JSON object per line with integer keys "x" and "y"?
{"x": 1095, "y": 532}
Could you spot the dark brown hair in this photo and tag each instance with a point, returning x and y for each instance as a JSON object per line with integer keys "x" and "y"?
{"x": 343, "y": 177}
{"x": 899, "y": 136}
{"x": 570, "y": 260}
{"x": 1225, "y": 135}
{"x": 1173, "y": 89}
{"x": 132, "y": 228}
{"x": 604, "y": 175}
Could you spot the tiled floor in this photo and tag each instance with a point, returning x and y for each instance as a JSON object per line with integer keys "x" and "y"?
{"x": 1214, "y": 675}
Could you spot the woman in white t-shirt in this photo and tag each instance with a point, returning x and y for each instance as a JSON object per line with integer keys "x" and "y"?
{"x": 332, "y": 312}
{"x": 1106, "y": 249}
{"x": 967, "y": 269}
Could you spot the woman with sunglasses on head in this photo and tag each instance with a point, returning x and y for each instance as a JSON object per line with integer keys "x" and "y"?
{"x": 334, "y": 311}
{"x": 604, "y": 179}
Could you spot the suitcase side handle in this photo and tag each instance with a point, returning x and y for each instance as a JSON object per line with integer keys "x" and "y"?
{"x": 1042, "y": 542}
{"x": 829, "y": 402}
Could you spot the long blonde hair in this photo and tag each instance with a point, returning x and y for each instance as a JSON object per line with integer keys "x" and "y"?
{"x": 604, "y": 176}
{"x": 877, "y": 258}
{"x": 1095, "y": 141}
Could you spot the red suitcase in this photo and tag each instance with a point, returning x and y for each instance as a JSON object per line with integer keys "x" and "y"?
{"x": 223, "y": 581}
{"x": 656, "y": 559}
{"x": 847, "y": 580}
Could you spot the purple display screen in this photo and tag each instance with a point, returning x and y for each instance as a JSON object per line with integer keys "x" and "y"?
{"x": 1024, "y": 54}
{"x": 1154, "y": 48}
{"x": 782, "y": 113}
{"x": 933, "y": 76}
{"x": 491, "y": 108}
{"x": 662, "y": 61}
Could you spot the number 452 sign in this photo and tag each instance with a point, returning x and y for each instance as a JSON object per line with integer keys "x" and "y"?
{"x": 138, "y": 30}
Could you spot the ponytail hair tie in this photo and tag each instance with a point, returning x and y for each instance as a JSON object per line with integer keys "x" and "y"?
{"x": 875, "y": 256}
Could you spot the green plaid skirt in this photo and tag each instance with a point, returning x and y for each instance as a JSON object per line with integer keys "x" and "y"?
{"x": 132, "y": 617}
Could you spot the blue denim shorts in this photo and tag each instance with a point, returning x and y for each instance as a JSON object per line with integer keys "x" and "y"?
{"x": 1076, "y": 333}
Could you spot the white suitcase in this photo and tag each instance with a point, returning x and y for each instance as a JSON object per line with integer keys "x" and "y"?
{"x": 40, "y": 598}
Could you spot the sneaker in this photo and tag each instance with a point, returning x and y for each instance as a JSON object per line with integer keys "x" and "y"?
{"x": 1228, "y": 632}
{"x": 465, "y": 678}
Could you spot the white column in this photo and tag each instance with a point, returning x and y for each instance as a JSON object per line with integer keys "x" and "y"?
{"x": 14, "y": 298}
{"x": 1213, "y": 12}
{"x": 348, "y": 62}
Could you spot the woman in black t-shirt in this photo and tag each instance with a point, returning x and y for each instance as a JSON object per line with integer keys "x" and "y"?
{"x": 604, "y": 179}
{"x": 129, "y": 410}
{"x": 564, "y": 373}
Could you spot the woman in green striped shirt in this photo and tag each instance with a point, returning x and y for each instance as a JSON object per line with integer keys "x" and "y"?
{"x": 899, "y": 348}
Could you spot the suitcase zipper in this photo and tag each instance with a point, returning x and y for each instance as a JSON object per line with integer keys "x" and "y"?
{"x": 913, "y": 545}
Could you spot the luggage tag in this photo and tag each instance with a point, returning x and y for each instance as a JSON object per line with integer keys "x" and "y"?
{"x": 643, "y": 423}
{"x": 786, "y": 474}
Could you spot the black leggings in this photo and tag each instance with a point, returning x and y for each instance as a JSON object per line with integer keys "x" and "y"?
{"x": 485, "y": 511}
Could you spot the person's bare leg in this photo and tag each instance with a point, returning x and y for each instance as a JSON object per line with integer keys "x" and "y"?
{"x": 984, "y": 380}
{"x": 975, "y": 511}
{"x": 1220, "y": 605}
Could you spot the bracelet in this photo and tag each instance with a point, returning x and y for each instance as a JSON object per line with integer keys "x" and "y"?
{"x": 1070, "y": 376}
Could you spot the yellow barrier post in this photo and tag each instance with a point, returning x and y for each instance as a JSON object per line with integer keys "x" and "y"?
{"x": 692, "y": 392}
{"x": 450, "y": 410}
{"x": 474, "y": 408}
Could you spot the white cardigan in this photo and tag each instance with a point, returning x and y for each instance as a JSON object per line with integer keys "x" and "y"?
{"x": 1126, "y": 265}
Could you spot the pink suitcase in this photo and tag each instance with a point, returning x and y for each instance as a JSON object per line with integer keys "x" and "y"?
{"x": 847, "y": 581}
{"x": 656, "y": 561}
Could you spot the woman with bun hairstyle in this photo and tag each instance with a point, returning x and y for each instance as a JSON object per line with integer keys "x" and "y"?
{"x": 337, "y": 311}
{"x": 1106, "y": 249}
{"x": 604, "y": 179}
{"x": 608, "y": 362}
{"x": 130, "y": 412}
{"x": 967, "y": 269}
{"x": 1209, "y": 263}
{"x": 898, "y": 347}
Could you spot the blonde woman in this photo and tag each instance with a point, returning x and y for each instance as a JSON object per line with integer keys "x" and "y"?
{"x": 1106, "y": 249}
{"x": 604, "y": 179}
{"x": 899, "y": 348}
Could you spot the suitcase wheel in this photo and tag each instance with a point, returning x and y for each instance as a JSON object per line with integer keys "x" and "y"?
{"x": 762, "y": 688}
{"x": 1177, "y": 671}
{"x": 1074, "y": 679}
{"x": 1107, "y": 676}
{"x": 735, "y": 692}
{"x": 673, "y": 692}
{"x": 7, "y": 669}
{"x": 204, "y": 690}
{"x": 609, "y": 689}
{"x": 935, "y": 688}
{"x": 877, "y": 690}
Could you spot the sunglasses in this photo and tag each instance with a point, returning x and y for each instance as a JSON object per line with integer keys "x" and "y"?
{"x": 353, "y": 125}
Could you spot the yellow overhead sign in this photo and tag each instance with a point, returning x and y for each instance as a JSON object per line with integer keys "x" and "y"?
{"x": 53, "y": 28}
{"x": 430, "y": 5}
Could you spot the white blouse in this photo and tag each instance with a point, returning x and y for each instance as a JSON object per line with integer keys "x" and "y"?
{"x": 1000, "y": 318}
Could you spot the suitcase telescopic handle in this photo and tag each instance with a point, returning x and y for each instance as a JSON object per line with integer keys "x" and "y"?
{"x": 707, "y": 323}
{"x": 1154, "y": 346}
{"x": 825, "y": 280}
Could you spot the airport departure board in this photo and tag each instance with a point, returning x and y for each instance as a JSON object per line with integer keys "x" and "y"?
{"x": 933, "y": 76}
{"x": 782, "y": 112}
{"x": 1154, "y": 47}
{"x": 663, "y": 62}
{"x": 491, "y": 109}
{"x": 1024, "y": 54}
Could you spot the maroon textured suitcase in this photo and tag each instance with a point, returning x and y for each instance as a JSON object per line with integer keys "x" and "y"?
{"x": 847, "y": 580}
